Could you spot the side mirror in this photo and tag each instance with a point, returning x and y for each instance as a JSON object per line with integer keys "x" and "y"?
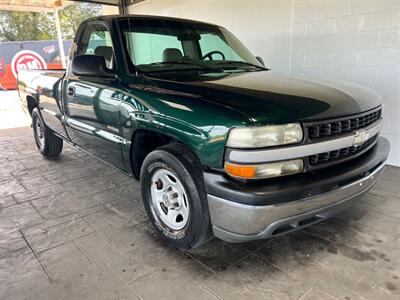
{"x": 90, "y": 65}
{"x": 260, "y": 60}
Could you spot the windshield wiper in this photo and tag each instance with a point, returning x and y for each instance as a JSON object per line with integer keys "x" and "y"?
{"x": 201, "y": 67}
{"x": 234, "y": 62}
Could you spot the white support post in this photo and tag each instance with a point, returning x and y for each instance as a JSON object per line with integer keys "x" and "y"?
{"x": 60, "y": 40}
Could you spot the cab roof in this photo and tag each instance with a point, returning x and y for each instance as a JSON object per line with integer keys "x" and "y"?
{"x": 111, "y": 18}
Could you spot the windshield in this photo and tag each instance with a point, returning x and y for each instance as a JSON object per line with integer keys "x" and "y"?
{"x": 177, "y": 46}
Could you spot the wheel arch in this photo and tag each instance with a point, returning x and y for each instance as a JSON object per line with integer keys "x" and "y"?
{"x": 144, "y": 141}
{"x": 31, "y": 103}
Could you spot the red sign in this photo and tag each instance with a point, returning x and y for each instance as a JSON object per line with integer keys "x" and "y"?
{"x": 27, "y": 60}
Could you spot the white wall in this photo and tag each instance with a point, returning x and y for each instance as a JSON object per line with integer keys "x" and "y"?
{"x": 352, "y": 40}
{"x": 356, "y": 41}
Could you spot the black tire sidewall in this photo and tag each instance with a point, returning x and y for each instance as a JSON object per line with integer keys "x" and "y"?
{"x": 36, "y": 117}
{"x": 193, "y": 232}
{"x": 52, "y": 144}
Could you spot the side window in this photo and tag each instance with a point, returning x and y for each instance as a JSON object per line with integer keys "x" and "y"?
{"x": 149, "y": 48}
{"x": 96, "y": 40}
{"x": 212, "y": 42}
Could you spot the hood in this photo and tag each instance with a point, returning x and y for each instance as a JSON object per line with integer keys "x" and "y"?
{"x": 270, "y": 98}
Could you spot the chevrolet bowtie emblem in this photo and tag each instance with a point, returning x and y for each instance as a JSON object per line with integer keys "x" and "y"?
{"x": 361, "y": 137}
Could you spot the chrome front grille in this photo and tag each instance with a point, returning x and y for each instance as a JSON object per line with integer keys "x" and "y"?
{"x": 328, "y": 158}
{"x": 336, "y": 127}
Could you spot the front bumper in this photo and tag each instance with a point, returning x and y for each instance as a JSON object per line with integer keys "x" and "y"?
{"x": 243, "y": 212}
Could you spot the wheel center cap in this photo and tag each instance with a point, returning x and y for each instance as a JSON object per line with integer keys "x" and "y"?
{"x": 166, "y": 200}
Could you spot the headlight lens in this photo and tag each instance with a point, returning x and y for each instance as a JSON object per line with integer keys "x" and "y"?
{"x": 268, "y": 170}
{"x": 265, "y": 136}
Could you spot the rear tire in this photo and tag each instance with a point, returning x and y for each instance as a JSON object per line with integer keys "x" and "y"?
{"x": 174, "y": 196}
{"x": 49, "y": 145}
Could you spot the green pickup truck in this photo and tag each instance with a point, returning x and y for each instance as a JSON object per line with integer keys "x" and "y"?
{"x": 222, "y": 146}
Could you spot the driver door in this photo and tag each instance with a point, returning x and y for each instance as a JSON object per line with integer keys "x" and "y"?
{"x": 93, "y": 103}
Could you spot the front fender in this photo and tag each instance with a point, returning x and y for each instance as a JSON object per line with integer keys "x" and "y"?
{"x": 205, "y": 142}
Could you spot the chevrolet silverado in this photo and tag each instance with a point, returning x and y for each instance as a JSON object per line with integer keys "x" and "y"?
{"x": 221, "y": 145}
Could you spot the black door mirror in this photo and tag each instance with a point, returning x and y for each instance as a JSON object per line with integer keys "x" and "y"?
{"x": 260, "y": 60}
{"x": 90, "y": 65}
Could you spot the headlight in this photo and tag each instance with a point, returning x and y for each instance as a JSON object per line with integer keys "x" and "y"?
{"x": 265, "y": 136}
{"x": 268, "y": 170}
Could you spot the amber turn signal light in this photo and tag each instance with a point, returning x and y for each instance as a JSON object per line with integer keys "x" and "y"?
{"x": 240, "y": 170}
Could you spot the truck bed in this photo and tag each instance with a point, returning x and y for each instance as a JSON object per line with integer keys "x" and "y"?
{"x": 44, "y": 87}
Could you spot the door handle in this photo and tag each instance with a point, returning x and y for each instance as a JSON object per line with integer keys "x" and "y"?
{"x": 71, "y": 91}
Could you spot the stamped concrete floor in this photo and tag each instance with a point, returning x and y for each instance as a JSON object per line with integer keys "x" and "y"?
{"x": 75, "y": 229}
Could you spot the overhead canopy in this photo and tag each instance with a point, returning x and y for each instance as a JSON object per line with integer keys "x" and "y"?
{"x": 32, "y": 5}
{"x": 44, "y": 5}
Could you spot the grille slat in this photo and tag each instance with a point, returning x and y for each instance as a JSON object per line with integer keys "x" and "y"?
{"x": 337, "y": 155}
{"x": 332, "y": 128}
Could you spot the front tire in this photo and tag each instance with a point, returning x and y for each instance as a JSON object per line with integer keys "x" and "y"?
{"x": 49, "y": 145}
{"x": 174, "y": 196}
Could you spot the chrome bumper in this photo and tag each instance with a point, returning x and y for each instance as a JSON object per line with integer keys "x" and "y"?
{"x": 237, "y": 222}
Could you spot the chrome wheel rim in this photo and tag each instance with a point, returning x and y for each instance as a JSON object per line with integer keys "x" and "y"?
{"x": 39, "y": 133}
{"x": 169, "y": 200}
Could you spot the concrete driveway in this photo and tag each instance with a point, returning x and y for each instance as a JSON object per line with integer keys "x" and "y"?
{"x": 11, "y": 114}
{"x": 76, "y": 229}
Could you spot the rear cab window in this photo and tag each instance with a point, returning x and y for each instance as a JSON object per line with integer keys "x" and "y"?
{"x": 96, "y": 40}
